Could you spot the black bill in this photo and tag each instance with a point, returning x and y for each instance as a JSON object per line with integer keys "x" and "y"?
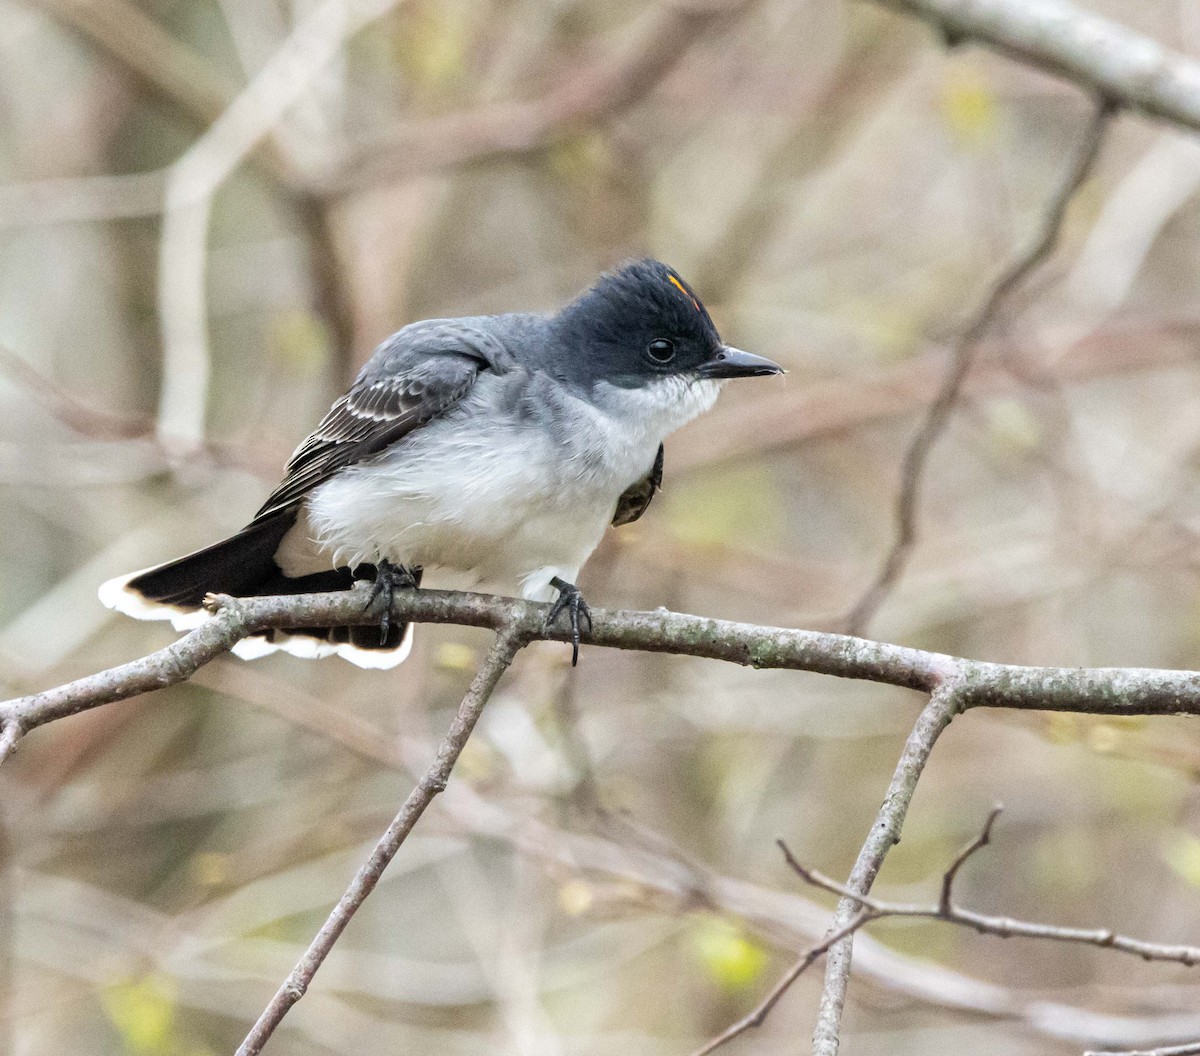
{"x": 734, "y": 363}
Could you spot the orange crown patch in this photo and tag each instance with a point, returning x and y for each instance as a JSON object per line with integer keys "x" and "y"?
{"x": 684, "y": 290}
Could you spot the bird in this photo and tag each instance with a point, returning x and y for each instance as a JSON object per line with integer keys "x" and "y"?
{"x": 482, "y": 453}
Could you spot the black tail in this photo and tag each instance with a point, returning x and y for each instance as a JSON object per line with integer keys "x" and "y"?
{"x": 240, "y": 565}
{"x": 244, "y": 566}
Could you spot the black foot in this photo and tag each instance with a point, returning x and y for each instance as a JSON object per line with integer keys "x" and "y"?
{"x": 569, "y": 600}
{"x": 390, "y": 578}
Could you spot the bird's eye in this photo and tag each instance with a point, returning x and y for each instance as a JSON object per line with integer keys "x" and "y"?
{"x": 661, "y": 350}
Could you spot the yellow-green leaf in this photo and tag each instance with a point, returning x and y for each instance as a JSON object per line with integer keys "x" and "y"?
{"x": 299, "y": 340}
{"x": 143, "y": 1012}
{"x": 210, "y": 868}
{"x": 454, "y": 656}
{"x": 1182, "y": 854}
{"x": 576, "y": 897}
{"x": 720, "y": 507}
{"x": 732, "y": 958}
{"x": 432, "y": 46}
{"x": 969, "y": 108}
{"x": 1013, "y": 427}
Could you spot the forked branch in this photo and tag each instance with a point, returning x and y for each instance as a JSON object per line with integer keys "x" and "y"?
{"x": 946, "y": 910}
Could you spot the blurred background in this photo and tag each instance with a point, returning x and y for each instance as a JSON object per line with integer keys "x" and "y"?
{"x": 601, "y": 876}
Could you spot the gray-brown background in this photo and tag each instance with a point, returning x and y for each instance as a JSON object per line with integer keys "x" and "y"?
{"x": 601, "y": 876}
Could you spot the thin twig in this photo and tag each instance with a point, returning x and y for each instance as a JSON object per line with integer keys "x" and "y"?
{"x": 649, "y": 866}
{"x": 962, "y": 357}
{"x": 873, "y": 909}
{"x": 638, "y": 871}
{"x": 1002, "y": 927}
{"x": 806, "y": 960}
{"x": 946, "y": 902}
{"x": 944, "y": 704}
{"x": 864, "y": 916}
{"x": 501, "y": 654}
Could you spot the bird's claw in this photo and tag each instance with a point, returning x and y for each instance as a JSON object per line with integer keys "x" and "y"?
{"x": 390, "y": 578}
{"x": 569, "y": 600}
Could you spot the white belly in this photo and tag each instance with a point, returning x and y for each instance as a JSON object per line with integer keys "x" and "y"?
{"x": 478, "y": 500}
{"x": 485, "y": 500}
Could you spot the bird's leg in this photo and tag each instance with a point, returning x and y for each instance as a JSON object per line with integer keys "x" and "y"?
{"x": 390, "y": 578}
{"x": 569, "y": 600}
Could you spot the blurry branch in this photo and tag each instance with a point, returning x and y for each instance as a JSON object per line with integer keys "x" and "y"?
{"x": 239, "y": 127}
{"x": 154, "y": 56}
{"x": 63, "y": 405}
{"x": 193, "y": 180}
{"x": 8, "y": 929}
{"x": 827, "y": 407}
{"x": 656, "y": 879}
{"x": 128, "y": 437}
{"x": 508, "y": 642}
{"x": 587, "y": 95}
{"x": 1190, "y": 1049}
{"x": 660, "y": 882}
{"x": 944, "y": 703}
{"x": 944, "y": 909}
{"x": 183, "y": 79}
{"x": 962, "y": 356}
{"x": 82, "y": 198}
{"x": 171, "y": 72}
{"x": 1126, "y": 68}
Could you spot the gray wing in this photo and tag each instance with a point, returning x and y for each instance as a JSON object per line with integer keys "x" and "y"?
{"x": 416, "y": 375}
{"x": 636, "y": 498}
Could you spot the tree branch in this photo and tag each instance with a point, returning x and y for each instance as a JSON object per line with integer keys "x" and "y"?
{"x": 158, "y": 59}
{"x": 1099, "y": 691}
{"x": 192, "y": 182}
{"x": 508, "y": 642}
{"x": 955, "y": 684}
{"x": 945, "y": 702}
{"x": 1114, "y": 62}
{"x": 651, "y": 873}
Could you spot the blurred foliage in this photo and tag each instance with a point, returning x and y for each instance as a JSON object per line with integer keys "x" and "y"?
{"x": 970, "y": 107}
{"x": 733, "y": 959}
{"x": 144, "y": 1014}
{"x": 601, "y": 875}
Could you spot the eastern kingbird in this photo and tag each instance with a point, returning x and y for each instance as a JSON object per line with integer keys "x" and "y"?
{"x": 488, "y": 452}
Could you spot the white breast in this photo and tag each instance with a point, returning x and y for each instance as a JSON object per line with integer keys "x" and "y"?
{"x": 503, "y": 501}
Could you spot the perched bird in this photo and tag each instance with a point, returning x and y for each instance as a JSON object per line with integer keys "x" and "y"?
{"x": 489, "y": 452}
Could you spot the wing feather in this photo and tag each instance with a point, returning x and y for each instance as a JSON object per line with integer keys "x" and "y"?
{"x": 635, "y": 500}
{"x": 419, "y": 374}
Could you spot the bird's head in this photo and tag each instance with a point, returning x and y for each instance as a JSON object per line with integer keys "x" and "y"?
{"x": 641, "y": 325}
